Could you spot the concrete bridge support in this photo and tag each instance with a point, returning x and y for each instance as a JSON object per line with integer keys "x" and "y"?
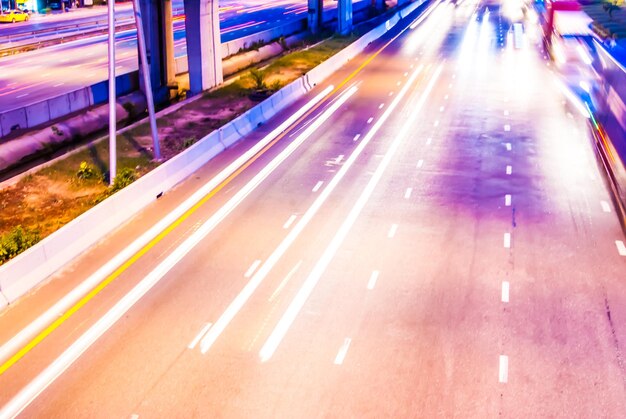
{"x": 344, "y": 17}
{"x": 159, "y": 45}
{"x": 316, "y": 7}
{"x": 204, "y": 53}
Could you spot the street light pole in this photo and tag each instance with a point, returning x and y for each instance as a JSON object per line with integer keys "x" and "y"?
{"x": 145, "y": 72}
{"x": 112, "y": 98}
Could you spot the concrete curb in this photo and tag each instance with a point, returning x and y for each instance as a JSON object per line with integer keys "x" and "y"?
{"x": 35, "y": 265}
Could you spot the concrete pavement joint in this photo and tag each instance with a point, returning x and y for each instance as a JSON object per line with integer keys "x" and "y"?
{"x": 285, "y": 281}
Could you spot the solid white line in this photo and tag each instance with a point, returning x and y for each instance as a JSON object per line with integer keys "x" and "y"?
{"x": 369, "y": 121}
{"x": 507, "y": 127}
{"x": 290, "y": 221}
{"x": 243, "y": 296}
{"x": 309, "y": 284}
{"x": 621, "y": 249}
{"x": 372, "y": 282}
{"x": 503, "y": 375}
{"x": 252, "y": 268}
{"x": 420, "y": 163}
{"x": 508, "y": 146}
{"x": 507, "y": 240}
{"x": 509, "y": 169}
{"x": 507, "y": 200}
{"x": 20, "y": 339}
{"x": 382, "y": 105}
{"x": 392, "y": 231}
{"x": 356, "y": 137}
{"x": 71, "y": 354}
{"x": 284, "y": 281}
{"x": 407, "y": 193}
{"x": 195, "y": 340}
{"x": 505, "y": 292}
{"x": 341, "y": 355}
{"x": 605, "y": 206}
{"x": 317, "y": 186}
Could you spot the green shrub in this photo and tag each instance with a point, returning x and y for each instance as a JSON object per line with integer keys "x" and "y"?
{"x": 258, "y": 79}
{"x": 124, "y": 177}
{"x": 16, "y": 241}
{"x": 86, "y": 171}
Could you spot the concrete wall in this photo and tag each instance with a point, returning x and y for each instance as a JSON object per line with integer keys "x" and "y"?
{"x": 30, "y": 268}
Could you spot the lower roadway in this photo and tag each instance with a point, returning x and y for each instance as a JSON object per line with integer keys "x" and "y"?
{"x": 442, "y": 243}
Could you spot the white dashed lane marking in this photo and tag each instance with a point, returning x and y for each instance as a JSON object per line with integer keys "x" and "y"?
{"x": 252, "y": 268}
{"x": 605, "y": 206}
{"x": 503, "y": 375}
{"x": 509, "y": 170}
{"x": 507, "y": 200}
{"x": 621, "y": 249}
{"x": 505, "y": 292}
{"x": 507, "y": 240}
{"x": 392, "y": 231}
{"x": 407, "y": 193}
{"x": 372, "y": 282}
{"x": 289, "y": 222}
{"x": 317, "y": 186}
{"x": 341, "y": 355}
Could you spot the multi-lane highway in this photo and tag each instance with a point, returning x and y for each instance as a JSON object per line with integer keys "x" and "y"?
{"x": 433, "y": 239}
{"x": 31, "y": 77}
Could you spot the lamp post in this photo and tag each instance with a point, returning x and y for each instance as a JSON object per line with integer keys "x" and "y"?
{"x": 112, "y": 98}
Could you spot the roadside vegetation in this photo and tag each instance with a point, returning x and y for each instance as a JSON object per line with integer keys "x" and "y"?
{"x": 43, "y": 201}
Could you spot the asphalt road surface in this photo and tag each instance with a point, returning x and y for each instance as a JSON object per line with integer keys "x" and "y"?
{"x": 434, "y": 240}
{"x": 42, "y": 74}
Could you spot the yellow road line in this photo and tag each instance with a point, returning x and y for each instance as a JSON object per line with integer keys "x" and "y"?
{"x": 58, "y": 322}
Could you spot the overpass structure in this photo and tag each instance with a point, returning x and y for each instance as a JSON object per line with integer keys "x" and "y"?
{"x": 203, "y": 40}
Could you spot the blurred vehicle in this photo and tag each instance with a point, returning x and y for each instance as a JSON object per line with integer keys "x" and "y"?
{"x": 12, "y": 16}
